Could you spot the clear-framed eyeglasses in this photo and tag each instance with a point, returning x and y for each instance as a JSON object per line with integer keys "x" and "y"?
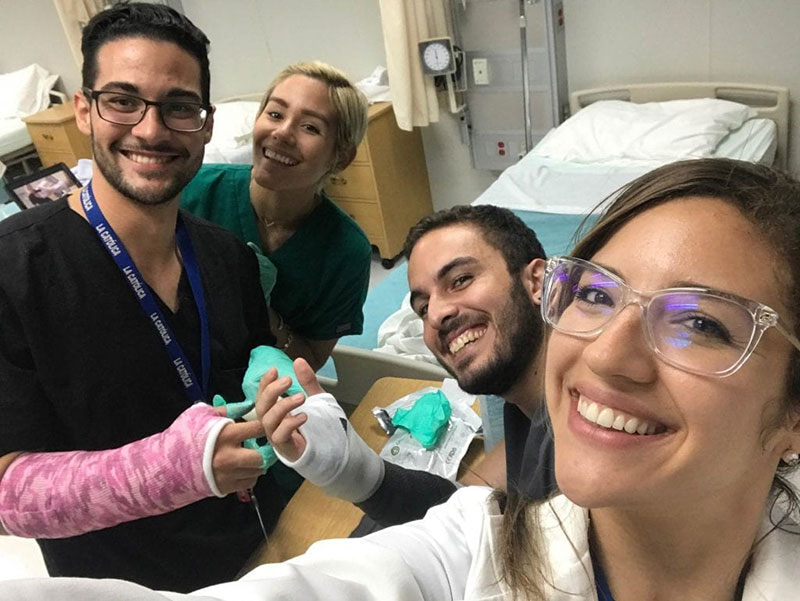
{"x": 126, "y": 109}
{"x": 699, "y": 330}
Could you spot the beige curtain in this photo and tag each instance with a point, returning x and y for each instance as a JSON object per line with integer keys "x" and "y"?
{"x": 405, "y": 23}
{"x": 74, "y": 14}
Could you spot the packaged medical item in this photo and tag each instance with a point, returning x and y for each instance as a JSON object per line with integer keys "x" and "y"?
{"x": 443, "y": 459}
{"x": 427, "y": 419}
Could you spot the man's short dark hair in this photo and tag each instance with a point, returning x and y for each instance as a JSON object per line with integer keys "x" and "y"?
{"x": 500, "y": 228}
{"x": 143, "y": 20}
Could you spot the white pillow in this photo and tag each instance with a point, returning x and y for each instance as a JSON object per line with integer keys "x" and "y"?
{"x": 755, "y": 141}
{"x": 25, "y": 91}
{"x": 614, "y": 129}
{"x": 233, "y": 125}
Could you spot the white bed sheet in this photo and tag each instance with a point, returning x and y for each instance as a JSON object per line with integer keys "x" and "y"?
{"x": 232, "y": 138}
{"x": 555, "y": 186}
{"x": 24, "y": 92}
{"x": 13, "y": 135}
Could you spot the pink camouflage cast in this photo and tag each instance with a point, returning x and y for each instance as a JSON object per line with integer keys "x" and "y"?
{"x": 56, "y": 495}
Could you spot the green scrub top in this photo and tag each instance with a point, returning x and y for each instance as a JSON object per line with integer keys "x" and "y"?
{"x": 322, "y": 269}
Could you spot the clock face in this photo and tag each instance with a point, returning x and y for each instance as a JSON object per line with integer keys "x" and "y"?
{"x": 437, "y": 57}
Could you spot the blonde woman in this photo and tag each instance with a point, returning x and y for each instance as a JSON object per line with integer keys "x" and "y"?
{"x": 314, "y": 258}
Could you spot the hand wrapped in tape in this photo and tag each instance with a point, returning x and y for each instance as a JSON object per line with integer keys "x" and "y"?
{"x": 313, "y": 437}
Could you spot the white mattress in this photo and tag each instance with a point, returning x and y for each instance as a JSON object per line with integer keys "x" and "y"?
{"x": 555, "y": 186}
{"x": 232, "y": 138}
{"x": 13, "y": 136}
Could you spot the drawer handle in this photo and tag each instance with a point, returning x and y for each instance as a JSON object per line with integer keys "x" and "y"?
{"x": 47, "y": 137}
{"x": 338, "y": 180}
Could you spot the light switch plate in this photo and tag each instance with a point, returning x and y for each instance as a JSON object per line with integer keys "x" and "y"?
{"x": 480, "y": 71}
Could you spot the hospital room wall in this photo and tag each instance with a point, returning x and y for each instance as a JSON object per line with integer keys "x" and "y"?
{"x": 607, "y": 42}
{"x": 251, "y": 40}
{"x": 30, "y": 32}
{"x": 644, "y": 41}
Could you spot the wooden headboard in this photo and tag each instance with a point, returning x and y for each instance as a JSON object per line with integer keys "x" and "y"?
{"x": 770, "y": 102}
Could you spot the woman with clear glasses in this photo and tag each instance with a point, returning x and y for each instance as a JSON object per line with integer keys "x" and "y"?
{"x": 673, "y": 387}
{"x": 673, "y": 383}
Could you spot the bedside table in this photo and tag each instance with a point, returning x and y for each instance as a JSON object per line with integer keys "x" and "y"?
{"x": 385, "y": 189}
{"x": 56, "y": 137}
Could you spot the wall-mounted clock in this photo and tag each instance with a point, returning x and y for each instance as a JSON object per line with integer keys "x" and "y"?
{"x": 437, "y": 56}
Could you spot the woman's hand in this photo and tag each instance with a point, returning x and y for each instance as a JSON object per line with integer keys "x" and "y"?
{"x": 236, "y": 467}
{"x": 335, "y": 458}
{"x": 274, "y": 411}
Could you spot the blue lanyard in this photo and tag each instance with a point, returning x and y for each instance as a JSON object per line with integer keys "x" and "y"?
{"x": 603, "y": 591}
{"x": 195, "y": 390}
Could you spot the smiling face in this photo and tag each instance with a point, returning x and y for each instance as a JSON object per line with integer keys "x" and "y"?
{"x": 147, "y": 162}
{"x": 478, "y": 320}
{"x": 294, "y": 136}
{"x": 631, "y": 429}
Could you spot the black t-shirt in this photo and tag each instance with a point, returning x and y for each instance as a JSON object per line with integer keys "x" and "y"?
{"x": 82, "y": 368}
{"x": 529, "y": 452}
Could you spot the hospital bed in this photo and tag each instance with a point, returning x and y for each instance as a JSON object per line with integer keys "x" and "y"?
{"x": 581, "y": 162}
{"x": 232, "y": 138}
{"x": 16, "y": 146}
{"x": 22, "y": 93}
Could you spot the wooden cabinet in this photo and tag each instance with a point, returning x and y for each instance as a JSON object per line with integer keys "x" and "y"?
{"x": 56, "y": 136}
{"x": 385, "y": 189}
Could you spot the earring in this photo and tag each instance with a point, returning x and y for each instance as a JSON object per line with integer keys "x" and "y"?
{"x": 791, "y": 458}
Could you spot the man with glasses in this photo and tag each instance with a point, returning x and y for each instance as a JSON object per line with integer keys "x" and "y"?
{"x": 122, "y": 319}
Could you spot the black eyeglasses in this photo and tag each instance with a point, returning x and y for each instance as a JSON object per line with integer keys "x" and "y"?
{"x": 127, "y": 109}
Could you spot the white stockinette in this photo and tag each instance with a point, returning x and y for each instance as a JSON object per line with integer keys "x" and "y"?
{"x": 335, "y": 458}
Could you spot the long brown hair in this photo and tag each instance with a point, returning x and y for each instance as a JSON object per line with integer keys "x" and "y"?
{"x": 770, "y": 200}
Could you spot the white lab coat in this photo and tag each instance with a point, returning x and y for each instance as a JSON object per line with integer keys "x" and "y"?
{"x": 448, "y": 555}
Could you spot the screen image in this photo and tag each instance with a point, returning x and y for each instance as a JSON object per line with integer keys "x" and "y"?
{"x": 47, "y": 185}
